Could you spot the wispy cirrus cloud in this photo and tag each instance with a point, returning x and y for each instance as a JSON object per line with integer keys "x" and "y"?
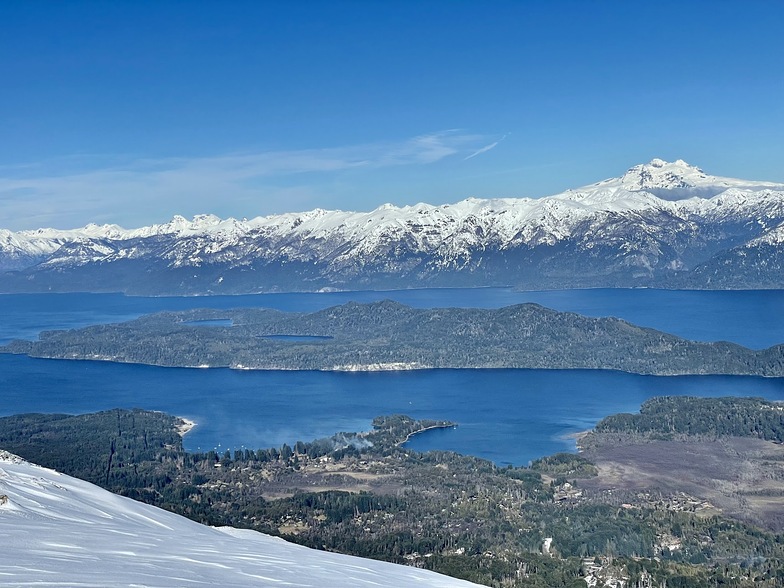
{"x": 143, "y": 190}
{"x": 484, "y": 149}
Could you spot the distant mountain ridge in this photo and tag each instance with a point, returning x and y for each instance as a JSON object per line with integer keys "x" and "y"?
{"x": 660, "y": 224}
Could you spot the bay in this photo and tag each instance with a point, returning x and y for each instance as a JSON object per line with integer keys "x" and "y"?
{"x": 508, "y": 416}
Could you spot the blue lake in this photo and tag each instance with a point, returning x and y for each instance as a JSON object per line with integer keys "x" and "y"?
{"x": 754, "y": 318}
{"x": 209, "y": 323}
{"x": 297, "y": 338}
{"x": 509, "y": 416}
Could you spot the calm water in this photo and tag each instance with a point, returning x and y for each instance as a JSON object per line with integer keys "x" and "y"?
{"x": 509, "y": 416}
{"x": 754, "y": 318}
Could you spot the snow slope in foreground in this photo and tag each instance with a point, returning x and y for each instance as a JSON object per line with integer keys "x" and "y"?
{"x": 59, "y": 531}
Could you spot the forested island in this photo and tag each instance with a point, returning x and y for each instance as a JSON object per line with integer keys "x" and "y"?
{"x": 390, "y": 336}
{"x": 562, "y": 520}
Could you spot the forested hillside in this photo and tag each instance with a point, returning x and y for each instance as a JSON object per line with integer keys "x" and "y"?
{"x": 365, "y": 494}
{"x": 390, "y": 336}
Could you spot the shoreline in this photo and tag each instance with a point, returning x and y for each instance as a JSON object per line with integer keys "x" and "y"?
{"x": 430, "y": 428}
{"x": 577, "y": 436}
{"x": 392, "y": 367}
{"x": 185, "y": 426}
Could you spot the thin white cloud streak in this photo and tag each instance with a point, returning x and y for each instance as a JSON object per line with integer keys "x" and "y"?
{"x": 148, "y": 190}
{"x": 484, "y": 149}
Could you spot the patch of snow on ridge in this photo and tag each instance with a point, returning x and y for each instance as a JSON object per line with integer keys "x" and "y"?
{"x": 775, "y": 236}
{"x": 60, "y": 531}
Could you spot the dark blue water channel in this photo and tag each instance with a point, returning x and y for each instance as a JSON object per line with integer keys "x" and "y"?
{"x": 509, "y": 416}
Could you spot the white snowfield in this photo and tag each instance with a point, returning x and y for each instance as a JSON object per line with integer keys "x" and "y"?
{"x": 448, "y": 231}
{"x": 59, "y": 531}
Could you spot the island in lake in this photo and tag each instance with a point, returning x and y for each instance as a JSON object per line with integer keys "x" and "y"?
{"x": 387, "y": 335}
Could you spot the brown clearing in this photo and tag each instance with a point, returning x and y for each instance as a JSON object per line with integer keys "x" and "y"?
{"x": 744, "y": 478}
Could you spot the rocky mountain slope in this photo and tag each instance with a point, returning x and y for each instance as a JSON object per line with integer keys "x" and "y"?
{"x": 659, "y": 224}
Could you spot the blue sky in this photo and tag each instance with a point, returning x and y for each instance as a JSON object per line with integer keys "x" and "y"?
{"x": 131, "y": 112}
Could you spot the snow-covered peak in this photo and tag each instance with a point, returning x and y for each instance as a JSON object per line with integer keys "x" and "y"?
{"x": 641, "y": 186}
{"x": 649, "y": 184}
{"x": 201, "y": 224}
{"x": 661, "y": 175}
{"x": 180, "y": 225}
{"x": 676, "y": 180}
{"x": 452, "y": 233}
{"x": 57, "y": 530}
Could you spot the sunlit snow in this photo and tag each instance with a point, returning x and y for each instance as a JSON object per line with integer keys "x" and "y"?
{"x": 448, "y": 233}
{"x": 59, "y": 531}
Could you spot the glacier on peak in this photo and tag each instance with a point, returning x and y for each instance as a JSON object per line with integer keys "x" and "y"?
{"x": 655, "y": 216}
{"x": 662, "y": 175}
{"x": 668, "y": 181}
{"x": 679, "y": 180}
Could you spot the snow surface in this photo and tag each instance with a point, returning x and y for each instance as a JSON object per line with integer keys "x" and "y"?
{"x": 449, "y": 234}
{"x": 677, "y": 181}
{"x": 59, "y": 531}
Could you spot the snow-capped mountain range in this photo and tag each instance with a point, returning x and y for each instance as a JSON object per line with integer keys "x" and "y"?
{"x": 60, "y": 531}
{"x": 659, "y": 224}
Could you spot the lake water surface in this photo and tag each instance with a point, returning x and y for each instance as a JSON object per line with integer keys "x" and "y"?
{"x": 509, "y": 416}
